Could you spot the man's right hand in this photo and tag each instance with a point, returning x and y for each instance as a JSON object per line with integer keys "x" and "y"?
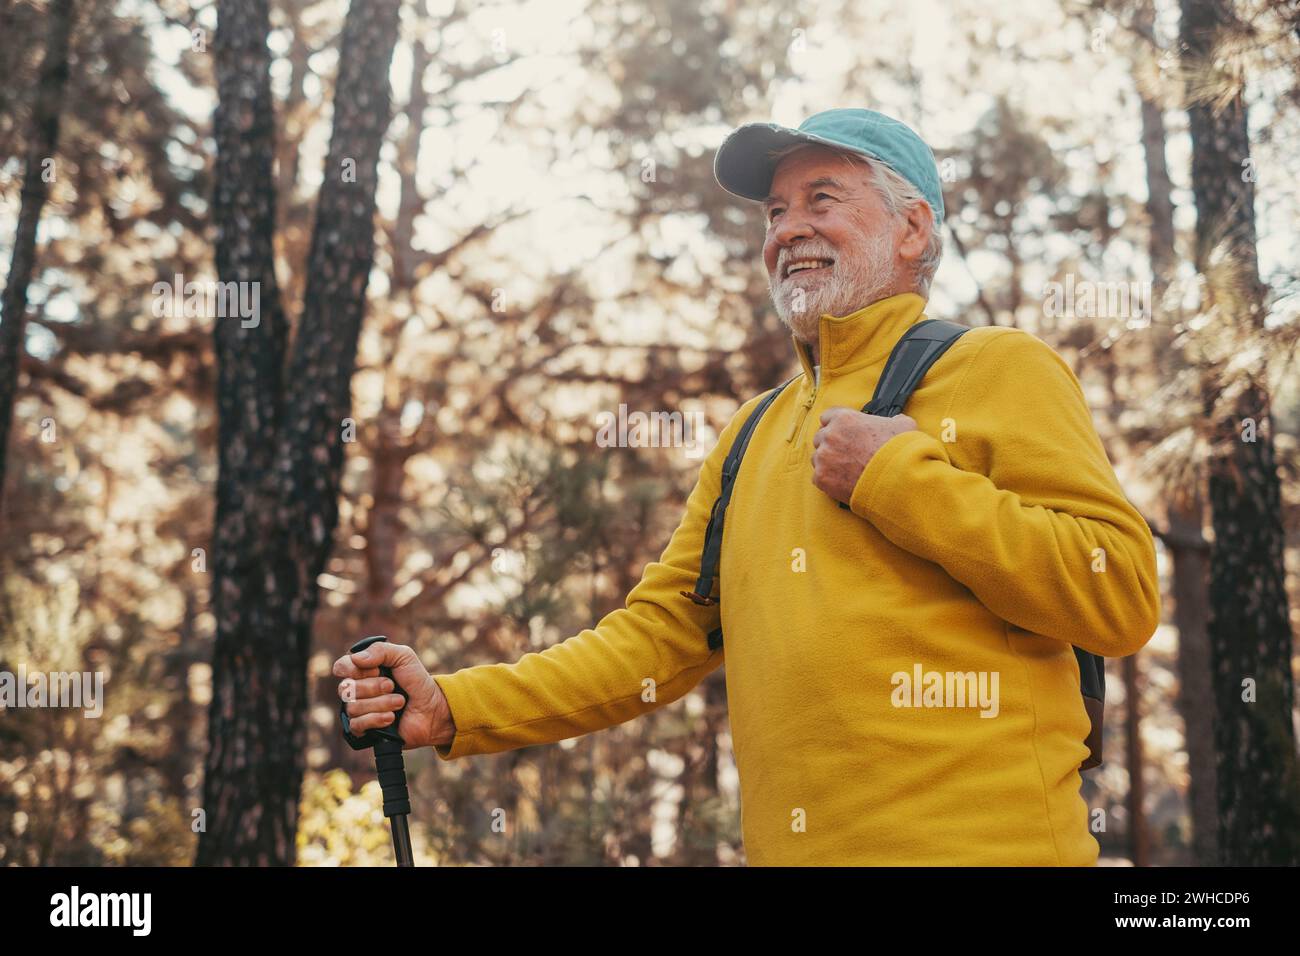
{"x": 372, "y": 703}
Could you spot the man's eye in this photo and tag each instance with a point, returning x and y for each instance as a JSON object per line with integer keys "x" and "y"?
{"x": 823, "y": 196}
{"x": 771, "y": 216}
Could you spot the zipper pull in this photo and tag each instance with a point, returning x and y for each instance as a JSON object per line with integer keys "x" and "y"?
{"x": 803, "y": 413}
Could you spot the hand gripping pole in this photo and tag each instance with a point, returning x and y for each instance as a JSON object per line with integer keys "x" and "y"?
{"x": 387, "y": 744}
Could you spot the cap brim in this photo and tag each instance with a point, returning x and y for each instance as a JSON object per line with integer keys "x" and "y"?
{"x": 743, "y": 166}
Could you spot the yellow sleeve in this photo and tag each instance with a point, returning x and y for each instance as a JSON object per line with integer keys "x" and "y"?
{"x": 636, "y": 659}
{"x": 1023, "y": 507}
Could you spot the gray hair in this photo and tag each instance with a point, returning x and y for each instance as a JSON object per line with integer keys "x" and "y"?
{"x": 898, "y": 195}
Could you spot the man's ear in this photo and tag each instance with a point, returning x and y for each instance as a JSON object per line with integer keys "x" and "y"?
{"x": 918, "y": 222}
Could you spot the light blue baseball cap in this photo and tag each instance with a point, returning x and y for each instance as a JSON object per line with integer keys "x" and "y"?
{"x": 743, "y": 165}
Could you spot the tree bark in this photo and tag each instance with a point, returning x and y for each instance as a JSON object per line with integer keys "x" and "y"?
{"x": 338, "y": 270}
{"x": 1195, "y": 686}
{"x": 41, "y": 145}
{"x": 281, "y": 449}
{"x": 253, "y": 767}
{"x": 1249, "y": 630}
{"x": 1185, "y": 507}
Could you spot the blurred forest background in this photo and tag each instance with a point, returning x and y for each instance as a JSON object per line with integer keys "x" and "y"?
{"x": 523, "y": 233}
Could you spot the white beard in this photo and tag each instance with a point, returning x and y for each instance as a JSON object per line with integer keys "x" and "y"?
{"x": 859, "y": 277}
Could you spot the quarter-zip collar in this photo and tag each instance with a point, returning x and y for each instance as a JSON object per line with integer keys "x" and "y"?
{"x": 861, "y": 338}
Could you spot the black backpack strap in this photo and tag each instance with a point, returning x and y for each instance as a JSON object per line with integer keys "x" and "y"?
{"x": 913, "y": 354}
{"x": 712, "y": 550}
{"x": 1092, "y": 675}
{"x": 1092, "y": 687}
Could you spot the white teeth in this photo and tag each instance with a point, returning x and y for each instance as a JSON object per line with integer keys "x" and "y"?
{"x": 800, "y": 264}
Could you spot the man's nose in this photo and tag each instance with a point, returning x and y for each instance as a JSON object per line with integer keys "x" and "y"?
{"x": 790, "y": 228}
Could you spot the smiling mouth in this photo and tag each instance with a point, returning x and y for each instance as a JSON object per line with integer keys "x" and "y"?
{"x": 808, "y": 267}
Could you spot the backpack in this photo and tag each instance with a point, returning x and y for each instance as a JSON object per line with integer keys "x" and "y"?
{"x": 917, "y": 350}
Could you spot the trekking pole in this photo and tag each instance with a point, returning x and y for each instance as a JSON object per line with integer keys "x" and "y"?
{"x": 387, "y": 744}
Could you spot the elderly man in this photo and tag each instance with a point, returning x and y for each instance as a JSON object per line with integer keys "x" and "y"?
{"x": 984, "y": 535}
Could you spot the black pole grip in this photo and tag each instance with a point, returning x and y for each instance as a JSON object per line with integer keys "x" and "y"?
{"x": 371, "y": 738}
{"x": 392, "y": 777}
{"x": 389, "y": 765}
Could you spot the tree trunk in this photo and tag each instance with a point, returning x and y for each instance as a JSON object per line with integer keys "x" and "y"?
{"x": 41, "y": 145}
{"x": 1249, "y": 630}
{"x": 281, "y": 455}
{"x": 1185, "y": 507}
{"x": 253, "y": 767}
{"x": 338, "y": 269}
{"x": 1191, "y": 576}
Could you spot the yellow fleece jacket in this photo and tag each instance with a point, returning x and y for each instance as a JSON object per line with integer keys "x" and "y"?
{"x": 982, "y": 544}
